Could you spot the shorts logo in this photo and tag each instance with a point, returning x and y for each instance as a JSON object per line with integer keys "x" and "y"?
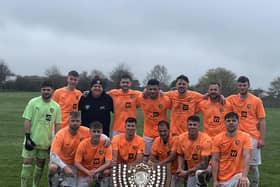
{"x": 237, "y": 142}
{"x": 48, "y": 117}
{"x": 249, "y": 106}
{"x": 195, "y": 156}
{"x": 87, "y": 107}
{"x": 51, "y": 110}
{"x": 135, "y": 147}
{"x": 233, "y": 153}
{"x": 244, "y": 114}
{"x": 185, "y": 107}
{"x": 101, "y": 152}
{"x": 155, "y": 114}
{"x": 128, "y": 105}
{"x": 216, "y": 119}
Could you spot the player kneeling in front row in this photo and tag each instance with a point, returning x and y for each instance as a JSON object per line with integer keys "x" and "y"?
{"x": 61, "y": 168}
{"x": 93, "y": 159}
{"x": 231, "y": 154}
{"x": 194, "y": 147}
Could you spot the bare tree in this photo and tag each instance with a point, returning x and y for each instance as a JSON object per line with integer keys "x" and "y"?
{"x": 275, "y": 88}
{"x": 117, "y": 73}
{"x": 160, "y": 73}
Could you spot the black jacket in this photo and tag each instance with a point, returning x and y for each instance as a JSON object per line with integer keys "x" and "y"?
{"x": 96, "y": 109}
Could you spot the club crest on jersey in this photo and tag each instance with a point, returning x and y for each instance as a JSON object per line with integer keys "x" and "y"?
{"x": 134, "y": 147}
{"x": 131, "y": 96}
{"x": 101, "y": 152}
{"x": 237, "y": 142}
{"x": 249, "y": 106}
{"x": 197, "y": 147}
{"x": 222, "y": 110}
{"x": 87, "y": 107}
{"x": 51, "y": 110}
{"x": 160, "y": 106}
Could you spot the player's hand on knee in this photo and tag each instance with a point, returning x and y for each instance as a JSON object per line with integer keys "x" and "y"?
{"x": 243, "y": 182}
{"x": 68, "y": 171}
{"x": 29, "y": 144}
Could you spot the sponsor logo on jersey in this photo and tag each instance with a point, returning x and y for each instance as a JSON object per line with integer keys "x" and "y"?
{"x": 195, "y": 156}
{"x": 216, "y": 119}
{"x": 101, "y": 152}
{"x": 244, "y": 114}
{"x": 233, "y": 153}
{"x": 130, "y": 156}
{"x": 155, "y": 114}
{"x": 96, "y": 161}
{"x": 185, "y": 107}
{"x": 48, "y": 117}
{"x": 128, "y": 105}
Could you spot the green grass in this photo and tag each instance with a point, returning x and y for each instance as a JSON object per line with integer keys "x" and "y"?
{"x": 11, "y": 137}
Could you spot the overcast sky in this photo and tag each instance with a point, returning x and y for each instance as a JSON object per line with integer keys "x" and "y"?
{"x": 188, "y": 37}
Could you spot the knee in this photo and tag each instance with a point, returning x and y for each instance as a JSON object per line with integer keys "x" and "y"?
{"x": 53, "y": 168}
{"x": 28, "y": 161}
{"x": 40, "y": 163}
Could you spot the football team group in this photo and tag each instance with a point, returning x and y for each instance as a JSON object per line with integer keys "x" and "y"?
{"x": 72, "y": 130}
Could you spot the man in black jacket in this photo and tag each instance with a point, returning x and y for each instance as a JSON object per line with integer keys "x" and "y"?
{"x": 96, "y": 106}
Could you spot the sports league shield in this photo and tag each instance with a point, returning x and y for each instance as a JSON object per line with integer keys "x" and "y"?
{"x": 140, "y": 175}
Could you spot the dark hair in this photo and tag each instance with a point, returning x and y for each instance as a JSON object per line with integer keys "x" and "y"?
{"x": 194, "y": 118}
{"x": 243, "y": 79}
{"x": 211, "y": 83}
{"x": 73, "y": 73}
{"x": 75, "y": 114}
{"x": 153, "y": 82}
{"x": 164, "y": 123}
{"x": 126, "y": 76}
{"x": 182, "y": 77}
{"x": 47, "y": 83}
{"x": 96, "y": 125}
{"x": 131, "y": 120}
{"x": 231, "y": 115}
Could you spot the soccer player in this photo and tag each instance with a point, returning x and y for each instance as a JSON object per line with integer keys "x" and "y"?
{"x": 154, "y": 107}
{"x": 231, "y": 153}
{"x": 93, "y": 159}
{"x": 68, "y": 97}
{"x": 63, "y": 151}
{"x": 195, "y": 149}
{"x": 96, "y": 106}
{"x": 213, "y": 111}
{"x": 40, "y": 115}
{"x": 183, "y": 104}
{"x": 125, "y": 103}
{"x": 128, "y": 147}
{"x": 251, "y": 114}
{"x": 164, "y": 150}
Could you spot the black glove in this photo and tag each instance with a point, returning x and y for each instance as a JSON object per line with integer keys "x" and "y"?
{"x": 29, "y": 144}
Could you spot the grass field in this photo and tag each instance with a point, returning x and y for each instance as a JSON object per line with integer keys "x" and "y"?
{"x": 11, "y": 137}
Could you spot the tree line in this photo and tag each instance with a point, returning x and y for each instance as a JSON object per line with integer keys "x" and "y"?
{"x": 226, "y": 78}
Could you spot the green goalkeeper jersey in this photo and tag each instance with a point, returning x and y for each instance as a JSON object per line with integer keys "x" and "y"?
{"x": 43, "y": 115}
